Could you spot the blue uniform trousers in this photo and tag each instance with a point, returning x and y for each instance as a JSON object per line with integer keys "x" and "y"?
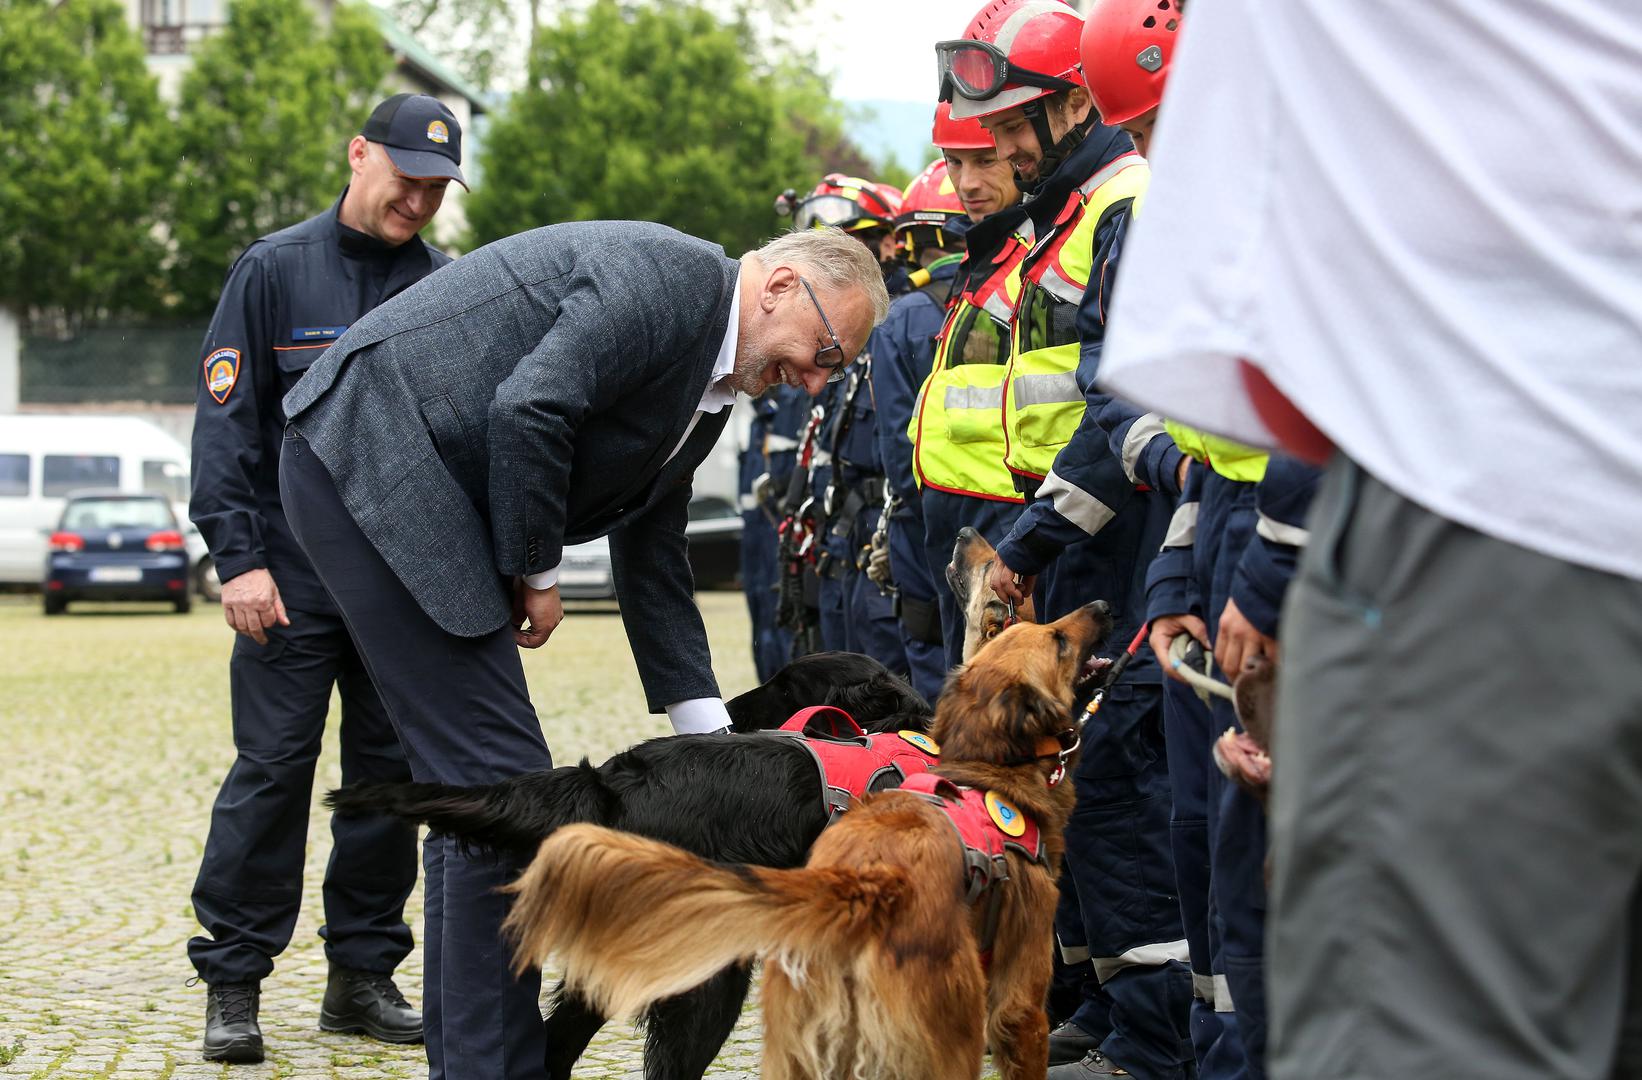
{"x": 855, "y": 615}
{"x": 759, "y": 552}
{"x": 944, "y": 514}
{"x": 463, "y": 715}
{"x": 1189, "y": 729}
{"x": 249, "y": 886}
{"x": 1118, "y": 859}
{"x": 1237, "y": 838}
{"x": 925, "y": 660}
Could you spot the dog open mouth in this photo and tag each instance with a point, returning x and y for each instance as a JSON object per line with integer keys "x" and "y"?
{"x": 1094, "y": 667}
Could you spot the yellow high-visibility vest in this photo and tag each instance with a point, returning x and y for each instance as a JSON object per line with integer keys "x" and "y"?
{"x": 957, "y": 427}
{"x": 1232, "y": 460}
{"x": 1042, "y": 403}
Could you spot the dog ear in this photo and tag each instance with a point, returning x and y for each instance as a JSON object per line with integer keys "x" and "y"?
{"x": 878, "y": 699}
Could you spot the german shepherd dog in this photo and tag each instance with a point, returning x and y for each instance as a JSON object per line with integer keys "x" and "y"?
{"x": 729, "y": 797}
{"x": 873, "y": 957}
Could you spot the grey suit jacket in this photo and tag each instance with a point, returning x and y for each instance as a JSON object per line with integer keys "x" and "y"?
{"x": 525, "y": 397}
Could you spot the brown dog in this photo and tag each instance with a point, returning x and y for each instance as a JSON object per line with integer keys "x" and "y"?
{"x": 985, "y": 613}
{"x": 873, "y": 958}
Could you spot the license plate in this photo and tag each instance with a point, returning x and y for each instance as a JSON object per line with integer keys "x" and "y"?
{"x": 583, "y": 577}
{"x": 116, "y": 575}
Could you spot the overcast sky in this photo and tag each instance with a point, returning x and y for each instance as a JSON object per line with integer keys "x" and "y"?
{"x": 886, "y": 48}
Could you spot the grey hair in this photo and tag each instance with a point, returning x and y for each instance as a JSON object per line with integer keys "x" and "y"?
{"x": 832, "y": 258}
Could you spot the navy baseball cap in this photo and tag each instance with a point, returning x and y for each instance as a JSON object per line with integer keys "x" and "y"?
{"x": 421, "y": 136}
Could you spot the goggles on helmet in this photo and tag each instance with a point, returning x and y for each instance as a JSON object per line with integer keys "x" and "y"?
{"x": 839, "y": 210}
{"x": 978, "y": 70}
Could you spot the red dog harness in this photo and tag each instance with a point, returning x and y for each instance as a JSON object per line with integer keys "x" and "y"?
{"x": 987, "y": 826}
{"x": 853, "y": 763}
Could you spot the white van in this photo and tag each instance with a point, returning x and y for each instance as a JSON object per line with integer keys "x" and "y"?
{"x": 45, "y": 457}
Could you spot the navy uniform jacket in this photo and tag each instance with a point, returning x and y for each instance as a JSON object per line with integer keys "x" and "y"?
{"x": 287, "y": 297}
{"x": 1115, "y": 447}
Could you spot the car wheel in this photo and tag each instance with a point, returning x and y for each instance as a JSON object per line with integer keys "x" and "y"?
{"x": 55, "y": 605}
{"x": 184, "y": 606}
{"x": 206, "y": 582}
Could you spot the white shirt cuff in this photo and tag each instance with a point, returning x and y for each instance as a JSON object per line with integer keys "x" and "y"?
{"x": 544, "y": 580}
{"x": 698, "y": 715}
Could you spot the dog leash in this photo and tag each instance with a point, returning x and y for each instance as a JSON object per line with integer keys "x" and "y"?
{"x": 1115, "y": 672}
{"x": 1192, "y": 663}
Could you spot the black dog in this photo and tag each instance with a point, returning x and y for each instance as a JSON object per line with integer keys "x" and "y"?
{"x": 725, "y": 797}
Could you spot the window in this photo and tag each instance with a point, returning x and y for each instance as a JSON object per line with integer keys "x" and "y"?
{"x": 14, "y": 475}
{"x": 63, "y": 473}
{"x": 117, "y": 513}
{"x": 168, "y": 478}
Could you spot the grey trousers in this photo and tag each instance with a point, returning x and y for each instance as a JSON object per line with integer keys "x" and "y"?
{"x": 1457, "y": 806}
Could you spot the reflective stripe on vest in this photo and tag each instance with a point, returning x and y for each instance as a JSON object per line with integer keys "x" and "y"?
{"x": 1042, "y": 402}
{"x": 1232, "y": 460}
{"x": 957, "y": 429}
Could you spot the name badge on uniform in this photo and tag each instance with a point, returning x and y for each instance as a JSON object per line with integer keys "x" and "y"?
{"x": 316, "y": 333}
{"x": 221, "y": 373}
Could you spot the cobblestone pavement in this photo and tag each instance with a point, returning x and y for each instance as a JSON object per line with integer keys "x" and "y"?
{"x": 113, "y": 740}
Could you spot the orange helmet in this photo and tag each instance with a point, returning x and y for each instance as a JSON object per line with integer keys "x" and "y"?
{"x": 1014, "y": 52}
{"x": 930, "y": 209}
{"x": 849, "y": 202}
{"x": 1126, "y": 47}
{"x": 950, "y": 134}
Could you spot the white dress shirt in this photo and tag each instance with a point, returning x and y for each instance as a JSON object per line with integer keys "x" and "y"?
{"x": 1423, "y": 223}
{"x": 695, "y": 715}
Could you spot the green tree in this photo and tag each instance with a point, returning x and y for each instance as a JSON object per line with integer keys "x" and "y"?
{"x": 86, "y": 135}
{"x": 263, "y": 120}
{"x": 660, "y": 112}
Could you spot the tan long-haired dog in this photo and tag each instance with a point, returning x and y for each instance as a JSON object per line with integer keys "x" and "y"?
{"x": 873, "y": 958}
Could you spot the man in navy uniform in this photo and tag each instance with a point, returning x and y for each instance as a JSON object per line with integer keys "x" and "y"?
{"x": 286, "y": 299}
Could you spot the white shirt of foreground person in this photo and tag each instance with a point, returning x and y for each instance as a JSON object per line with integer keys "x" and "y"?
{"x": 697, "y": 715}
{"x": 1423, "y": 222}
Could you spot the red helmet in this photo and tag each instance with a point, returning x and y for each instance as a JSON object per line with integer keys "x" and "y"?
{"x": 1126, "y": 48}
{"x": 930, "y": 209}
{"x": 1015, "y": 51}
{"x": 950, "y": 134}
{"x": 849, "y": 202}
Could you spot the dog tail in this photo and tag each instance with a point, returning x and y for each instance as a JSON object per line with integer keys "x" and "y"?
{"x": 511, "y": 816}
{"x": 632, "y": 920}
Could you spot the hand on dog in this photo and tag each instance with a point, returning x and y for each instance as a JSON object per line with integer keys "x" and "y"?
{"x": 536, "y": 614}
{"x": 251, "y": 604}
{"x": 1003, "y": 582}
{"x": 1165, "y": 628}
{"x": 1240, "y": 642}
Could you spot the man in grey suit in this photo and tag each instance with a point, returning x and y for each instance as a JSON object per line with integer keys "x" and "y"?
{"x": 549, "y": 388}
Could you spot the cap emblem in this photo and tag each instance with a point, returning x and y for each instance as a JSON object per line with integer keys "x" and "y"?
{"x": 1150, "y": 58}
{"x": 438, "y": 132}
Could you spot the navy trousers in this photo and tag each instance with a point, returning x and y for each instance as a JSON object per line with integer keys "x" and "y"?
{"x": 249, "y": 887}
{"x": 759, "y": 570}
{"x": 925, "y": 660}
{"x": 464, "y": 716}
{"x": 944, "y": 515}
{"x": 1119, "y": 863}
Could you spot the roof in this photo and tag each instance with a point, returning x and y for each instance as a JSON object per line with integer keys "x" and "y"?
{"x": 400, "y": 40}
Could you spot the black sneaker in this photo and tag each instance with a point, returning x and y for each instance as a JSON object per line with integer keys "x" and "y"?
{"x": 1093, "y": 1066}
{"x": 368, "y": 1003}
{"x": 231, "y": 1030}
{"x": 1069, "y": 1043}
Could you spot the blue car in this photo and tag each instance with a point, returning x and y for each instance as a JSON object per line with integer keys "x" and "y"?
{"x": 110, "y": 546}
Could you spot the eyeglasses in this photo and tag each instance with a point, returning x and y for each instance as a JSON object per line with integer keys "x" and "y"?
{"x": 836, "y": 366}
{"x": 978, "y": 70}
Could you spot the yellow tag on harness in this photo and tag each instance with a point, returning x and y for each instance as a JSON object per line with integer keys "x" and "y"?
{"x": 921, "y": 741}
{"x": 1004, "y": 815}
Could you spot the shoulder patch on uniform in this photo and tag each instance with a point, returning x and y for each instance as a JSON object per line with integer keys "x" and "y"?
{"x": 221, "y": 373}
{"x": 1004, "y": 815}
{"x": 921, "y": 741}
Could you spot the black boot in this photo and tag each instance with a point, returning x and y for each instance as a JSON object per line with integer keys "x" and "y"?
{"x": 368, "y": 1003}
{"x": 231, "y": 1031}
